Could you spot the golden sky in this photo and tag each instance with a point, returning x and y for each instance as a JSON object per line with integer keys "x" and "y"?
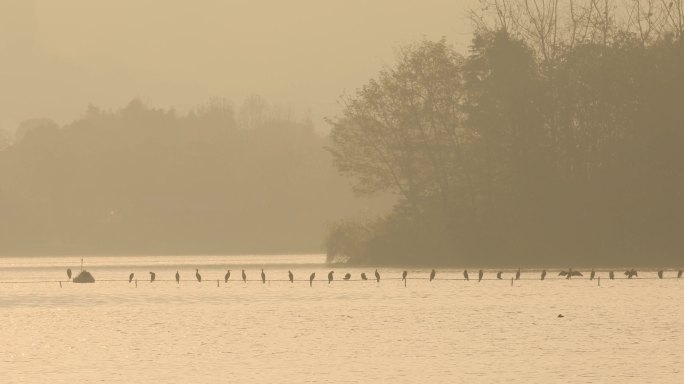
{"x": 56, "y": 57}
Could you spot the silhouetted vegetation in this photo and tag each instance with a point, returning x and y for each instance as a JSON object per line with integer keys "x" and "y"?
{"x": 142, "y": 180}
{"x": 559, "y": 137}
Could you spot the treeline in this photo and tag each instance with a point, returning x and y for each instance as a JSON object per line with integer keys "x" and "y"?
{"x": 143, "y": 180}
{"x": 558, "y": 139}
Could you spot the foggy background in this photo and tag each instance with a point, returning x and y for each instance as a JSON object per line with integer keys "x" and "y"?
{"x": 58, "y": 57}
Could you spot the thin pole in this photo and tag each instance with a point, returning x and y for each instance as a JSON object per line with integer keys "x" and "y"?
{"x": 511, "y": 281}
{"x": 599, "y": 281}
{"x": 60, "y": 284}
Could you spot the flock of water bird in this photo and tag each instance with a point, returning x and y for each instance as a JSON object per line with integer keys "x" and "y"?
{"x": 630, "y": 273}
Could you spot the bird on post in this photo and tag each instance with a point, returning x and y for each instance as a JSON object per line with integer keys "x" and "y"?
{"x": 611, "y": 275}
{"x": 291, "y": 276}
{"x": 465, "y": 275}
{"x": 660, "y": 274}
{"x": 679, "y": 274}
{"x": 363, "y": 276}
{"x": 330, "y": 276}
{"x": 198, "y": 276}
{"x": 433, "y": 274}
{"x": 177, "y": 277}
{"x": 403, "y": 275}
{"x": 347, "y": 276}
{"x": 517, "y": 274}
{"x": 263, "y": 276}
{"x": 69, "y": 273}
{"x": 377, "y": 276}
{"x": 226, "y": 277}
{"x": 498, "y": 275}
{"x": 543, "y": 274}
{"x": 479, "y": 275}
{"x": 152, "y": 276}
{"x": 130, "y": 277}
{"x": 592, "y": 274}
{"x": 244, "y": 276}
{"x": 311, "y": 279}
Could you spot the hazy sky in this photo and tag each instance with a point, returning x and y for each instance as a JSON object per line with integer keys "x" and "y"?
{"x": 56, "y": 57}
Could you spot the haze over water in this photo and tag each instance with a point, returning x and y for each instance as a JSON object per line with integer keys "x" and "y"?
{"x": 447, "y": 331}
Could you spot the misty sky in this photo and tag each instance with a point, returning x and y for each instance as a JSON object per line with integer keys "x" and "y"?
{"x": 56, "y": 57}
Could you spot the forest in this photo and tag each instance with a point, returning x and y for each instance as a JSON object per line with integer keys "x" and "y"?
{"x": 558, "y": 137}
{"x": 144, "y": 181}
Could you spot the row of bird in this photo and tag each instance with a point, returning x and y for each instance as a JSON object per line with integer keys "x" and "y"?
{"x": 630, "y": 273}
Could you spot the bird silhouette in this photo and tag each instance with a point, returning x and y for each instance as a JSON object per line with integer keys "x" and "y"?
{"x": 479, "y": 275}
{"x": 611, "y": 275}
{"x": 263, "y": 276}
{"x": 403, "y": 275}
{"x": 330, "y": 276}
{"x": 198, "y": 276}
{"x": 226, "y": 277}
{"x": 660, "y": 274}
{"x": 244, "y": 276}
{"x": 347, "y": 276}
{"x": 465, "y": 274}
{"x": 433, "y": 274}
{"x": 177, "y": 277}
{"x": 69, "y": 273}
{"x": 517, "y": 274}
{"x": 152, "y": 276}
{"x": 311, "y": 279}
{"x": 631, "y": 273}
{"x": 363, "y": 276}
{"x": 498, "y": 275}
{"x": 569, "y": 274}
{"x": 130, "y": 277}
{"x": 592, "y": 274}
{"x": 377, "y": 276}
{"x": 679, "y": 274}
{"x": 543, "y": 275}
{"x": 291, "y": 276}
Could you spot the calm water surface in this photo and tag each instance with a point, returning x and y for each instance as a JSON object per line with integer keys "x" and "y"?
{"x": 447, "y": 331}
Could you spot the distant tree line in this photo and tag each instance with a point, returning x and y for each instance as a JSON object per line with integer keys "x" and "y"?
{"x": 143, "y": 180}
{"x": 558, "y": 138}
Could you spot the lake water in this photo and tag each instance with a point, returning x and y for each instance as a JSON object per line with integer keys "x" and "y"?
{"x": 445, "y": 331}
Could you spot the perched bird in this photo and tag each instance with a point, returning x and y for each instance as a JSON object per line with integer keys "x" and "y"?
{"x": 363, "y": 276}
{"x": 69, "y": 273}
{"x": 569, "y": 274}
{"x": 263, "y": 276}
{"x": 403, "y": 275}
{"x": 377, "y": 276}
{"x": 311, "y": 279}
{"x": 244, "y": 276}
{"x": 152, "y": 276}
{"x": 560, "y": 315}
{"x": 679, "y": 274}
{"x": 517, "y": 274}
{"x": 543, "y": 275}
{"x": 177, "y": 277}
{"x": 291, "y": 276}
{"x": 330, "y": 276}
{"x": 465, "y": 275}
{"x": 498, "y": 275}
{"x": 198, "y": 276}
{"x": 130, "y": 277}
{"x": 226, "y": 277}
{"x": 660, "y": 274}
{"x": 592, "y": 274}
{"x": 432, "y": 275}
{"x": 479, "y": 275}
{"x": 347, "y": 276}
{"x": 611, "y": 275}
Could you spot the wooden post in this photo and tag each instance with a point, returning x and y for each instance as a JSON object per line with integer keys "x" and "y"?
{"x": 217, "y": 283}
{"x": 60, "y": 284}
{"x": 599, "y": 281}
{"x": 511, "y": 281}
{"x": 136, "y": 283}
